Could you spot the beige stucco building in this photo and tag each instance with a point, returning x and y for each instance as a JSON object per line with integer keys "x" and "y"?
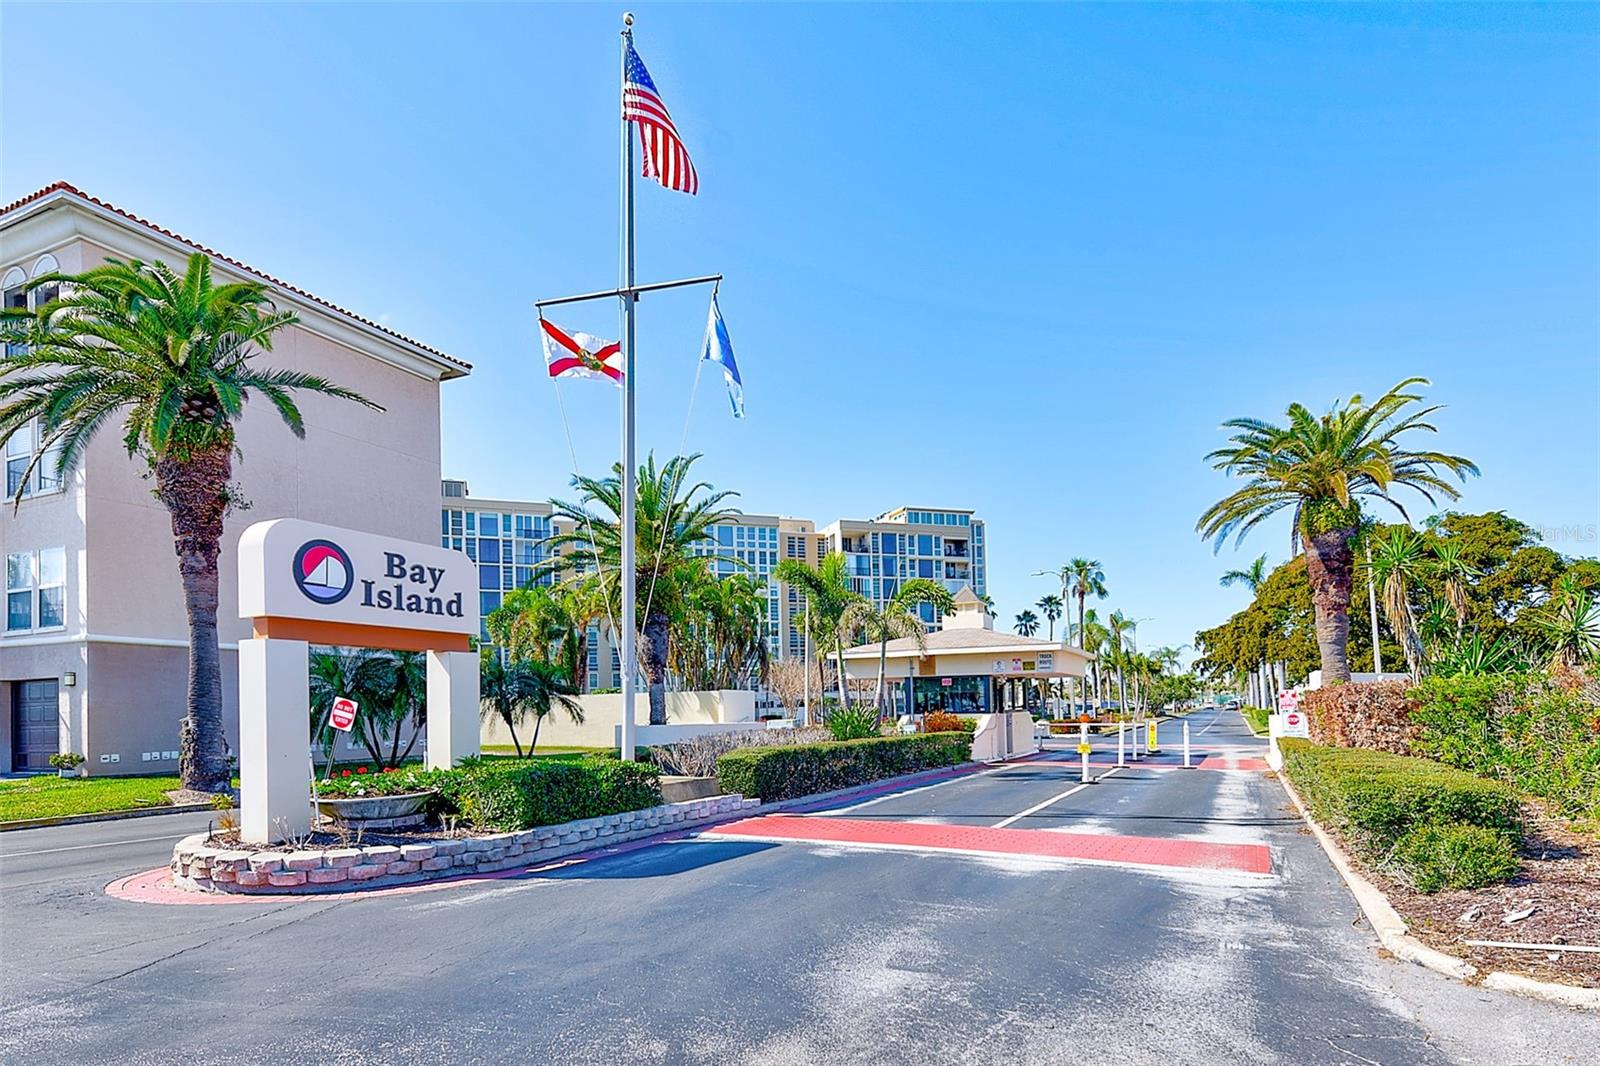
{"x": 966, "y": 667}
{"x": 93, "y": 651}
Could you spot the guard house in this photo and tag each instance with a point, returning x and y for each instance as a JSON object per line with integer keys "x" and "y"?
{"x": 967, "y": 667}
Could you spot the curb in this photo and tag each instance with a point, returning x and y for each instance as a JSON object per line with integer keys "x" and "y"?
{"x": 1395, "y": 935}
{"x": 103, "y": 816}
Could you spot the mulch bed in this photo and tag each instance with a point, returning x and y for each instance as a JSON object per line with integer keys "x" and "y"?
{"x": 1559, "y": 880}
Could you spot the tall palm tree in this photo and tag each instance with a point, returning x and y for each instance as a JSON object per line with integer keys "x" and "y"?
{"x": 551, "y": 624}
{"x": 1051, "y": 606}
{"x": 1399, "y": 561}
{"x": 1027, "y": 623}
{"x": 828, "y": 593}
{"x": 1087, "y": 579}
{"x": 1251, "y": 577}
{"x": 897, "y": 618}
{"x": 1320, "y": 468}
{"x": 671, "y": 518}
{"x": 176, "y": 359}
{"x": 1118, "y": 627}
{"x": 1451, "y": 566}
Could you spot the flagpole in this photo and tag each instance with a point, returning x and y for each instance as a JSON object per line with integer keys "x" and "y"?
{"x": 630, "y": 651}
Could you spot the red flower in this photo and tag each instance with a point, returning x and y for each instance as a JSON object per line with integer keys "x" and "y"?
{"x": 361, "y": 769}
{"x": 347, "y": 773}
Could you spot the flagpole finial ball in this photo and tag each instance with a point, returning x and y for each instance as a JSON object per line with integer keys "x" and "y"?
{"x": 627, "y": 18}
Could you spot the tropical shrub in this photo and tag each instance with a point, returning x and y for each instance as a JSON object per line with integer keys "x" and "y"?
{"x": 1375, "y": 715}
{"x": 361, "y": 782}
{"x": 1538, "y": 733}
{"x": 947, "y": 722}
{"x": 1378, "y": 800}
{"x": 853, "y": 722}
{"x": 506, "y": 795}
{"x": 804, "y": 769}
{"x": 1432, "y": 857}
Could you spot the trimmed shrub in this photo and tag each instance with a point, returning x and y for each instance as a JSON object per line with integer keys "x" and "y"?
{"x": 803, "y": 769}
{"x": 1373, "y": 714}
{"x": 1377, "y": 800}
{"x": 1528, "y": 730}
{"x": 506, "y": 795}
{"x": 1431, "y": 857}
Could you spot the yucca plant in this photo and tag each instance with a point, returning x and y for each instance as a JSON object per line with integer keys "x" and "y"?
{"x": 175, "y": 358}
{"x": 852, "y": 723}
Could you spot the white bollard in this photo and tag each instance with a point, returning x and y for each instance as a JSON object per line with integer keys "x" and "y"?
{"x": 1186, "y": 745}
{"x": 1122, "y": 758}
{"x": 1083, "y": 748}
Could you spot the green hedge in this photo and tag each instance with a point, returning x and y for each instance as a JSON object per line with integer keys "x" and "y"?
{"x": 1524, "y": 729}
{"x": 506, "y": 795}
{"x": 805, "y": 769}
{"x": 1407, "y": 815}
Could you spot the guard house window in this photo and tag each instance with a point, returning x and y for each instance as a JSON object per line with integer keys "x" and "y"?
{"x": 36, "y": 590}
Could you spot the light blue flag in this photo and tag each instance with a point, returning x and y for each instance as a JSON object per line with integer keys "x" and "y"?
{"x": 719, "y": 349}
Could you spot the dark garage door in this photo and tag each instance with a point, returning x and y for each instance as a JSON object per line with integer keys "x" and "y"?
{"x": 34, "y": 734}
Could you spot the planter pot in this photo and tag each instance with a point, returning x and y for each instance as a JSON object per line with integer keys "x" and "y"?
{"x": 676, "y": 789}
{"x": 378, "y": 812}
{"x": 67, "y": 773}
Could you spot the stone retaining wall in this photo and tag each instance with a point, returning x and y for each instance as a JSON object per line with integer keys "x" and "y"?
{"x": 198, "y": 866}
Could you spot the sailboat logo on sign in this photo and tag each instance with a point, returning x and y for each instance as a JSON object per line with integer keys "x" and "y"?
{"x": 323, "y": 572}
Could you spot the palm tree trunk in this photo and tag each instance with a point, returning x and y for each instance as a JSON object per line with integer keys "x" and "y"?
{"x": 1329, "y": 565}
{"x": 654, "y": 660}
{"x": 538, "y": 720}
{"x": 195, "y": 493}
{"x": 515, "y": 743}
{"x": 838, "y": 664}
{"x": 883, "y": 668}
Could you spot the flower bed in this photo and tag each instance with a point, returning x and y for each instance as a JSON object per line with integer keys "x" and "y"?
{"x": 803, "y": 769}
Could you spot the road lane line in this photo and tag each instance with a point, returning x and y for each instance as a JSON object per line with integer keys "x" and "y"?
{"x": 1037, "y": 807}
{"x": 83, "y": 847}
{"x": 835, "y": 812}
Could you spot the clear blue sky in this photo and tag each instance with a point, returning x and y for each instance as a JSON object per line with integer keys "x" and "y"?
{"x": 1020, "y": 259}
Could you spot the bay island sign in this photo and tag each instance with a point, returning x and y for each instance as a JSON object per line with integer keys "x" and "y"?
{"x": 302, "y": 584}
{"x": 297, "y": 577}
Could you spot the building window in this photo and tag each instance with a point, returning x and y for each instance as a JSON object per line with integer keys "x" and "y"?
{"x": 21, "y": 447}
{"x": 36, "y": 590}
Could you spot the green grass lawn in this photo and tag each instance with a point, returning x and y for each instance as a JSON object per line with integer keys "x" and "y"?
{"x": 50, "y": 796}
{"x": 563, "y": 754}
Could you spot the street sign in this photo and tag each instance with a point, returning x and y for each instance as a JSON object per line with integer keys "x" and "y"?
{"x": 342, "y": 715}
{"x": 1295, "y": 724}
{"x": 1289, "y": 701}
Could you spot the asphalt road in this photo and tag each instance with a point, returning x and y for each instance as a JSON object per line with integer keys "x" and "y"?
{"x": 728, "y": 950}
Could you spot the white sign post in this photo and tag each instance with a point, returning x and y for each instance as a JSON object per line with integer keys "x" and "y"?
{"x": 301, "y": 584}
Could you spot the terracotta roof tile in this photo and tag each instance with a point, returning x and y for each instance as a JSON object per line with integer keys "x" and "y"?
{"x": 66, "y": 187}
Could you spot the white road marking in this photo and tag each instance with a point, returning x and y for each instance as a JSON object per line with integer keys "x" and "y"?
{"x": 1037, "y": 807}
{"x": 839, "y": 811}
{"x": 83, "y": 847}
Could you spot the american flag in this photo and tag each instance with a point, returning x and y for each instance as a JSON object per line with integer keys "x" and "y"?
{"x": 665, "y": 157}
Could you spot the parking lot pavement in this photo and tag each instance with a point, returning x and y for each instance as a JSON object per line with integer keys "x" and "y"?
{"x": 727, "y": 950}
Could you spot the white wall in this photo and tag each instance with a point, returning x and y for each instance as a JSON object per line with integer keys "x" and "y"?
{"x": 602, "y": 716}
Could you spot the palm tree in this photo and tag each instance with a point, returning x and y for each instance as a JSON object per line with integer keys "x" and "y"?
{"x": 721, "y": 642}
{"x": 510, "y": 691}
{"x": 829, "y": 594}
{"x": 550, "y": 624}
{"x": 1252, "y": 576}
{"x": 1320, "y": 468}
{"x": 898, "y": 618}
{"x": 1398, "y": 562}
{"x": 174, "y": 358}
{"x": 1027, "y": 623}
{"x": 671, "y": 519}
{"x": 988, "y": 605}
{"x": 1086, "y": 579}
{"x": 354, "y": 673}
{"x": 1450, "y": 565}
{"x": 1118, "y": 627}
{"x": 1051, "y": 606}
